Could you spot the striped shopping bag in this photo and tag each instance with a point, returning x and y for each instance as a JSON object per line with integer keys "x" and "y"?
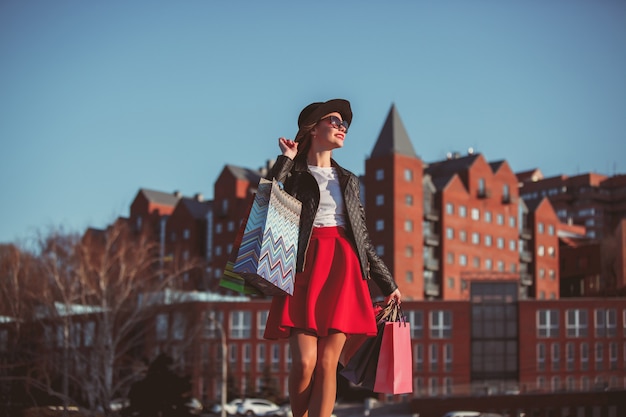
{"x": 269, "y": 247}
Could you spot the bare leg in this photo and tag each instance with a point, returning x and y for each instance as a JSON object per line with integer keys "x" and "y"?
{"x": 324, "y": 392}
{"x": 303, "y": 359}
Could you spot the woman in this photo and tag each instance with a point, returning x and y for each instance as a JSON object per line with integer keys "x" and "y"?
{"x": 331, "y": 299}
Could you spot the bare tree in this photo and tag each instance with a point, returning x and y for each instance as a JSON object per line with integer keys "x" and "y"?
{"x": 98, "y": 296}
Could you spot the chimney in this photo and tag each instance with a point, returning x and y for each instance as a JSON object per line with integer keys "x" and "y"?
{"x": 199, "y": 197}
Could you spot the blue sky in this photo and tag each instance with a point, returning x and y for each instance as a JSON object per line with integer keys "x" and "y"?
{"x": 101, "y": 98}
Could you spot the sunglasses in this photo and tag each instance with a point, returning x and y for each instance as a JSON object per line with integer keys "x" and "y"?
{"x": 337, "y": 123}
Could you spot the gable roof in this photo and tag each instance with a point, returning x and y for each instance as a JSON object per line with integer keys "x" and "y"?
{"x": 198, "y": 209}
{"x": 451, "y": 166}
{"x": 251, "y": 175}
{"x": 393, "y": 138}
{"x": 159, "y": 197}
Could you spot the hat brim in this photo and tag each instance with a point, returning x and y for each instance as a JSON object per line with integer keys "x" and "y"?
{"x": 338, "y": 105}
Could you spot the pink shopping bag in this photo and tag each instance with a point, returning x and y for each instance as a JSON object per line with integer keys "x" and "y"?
{"x": 394, "y": 372}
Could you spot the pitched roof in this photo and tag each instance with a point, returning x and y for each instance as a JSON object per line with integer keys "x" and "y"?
{"x": 451, "y": 166}
{"x": 159, "y": 197}
{"x": 251, "y": 175}
{"x": 198, "y": 209}
{"x": 393, "y": 138}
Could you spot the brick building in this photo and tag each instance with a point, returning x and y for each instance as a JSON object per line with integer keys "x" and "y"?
{"x": 481, "y": 271}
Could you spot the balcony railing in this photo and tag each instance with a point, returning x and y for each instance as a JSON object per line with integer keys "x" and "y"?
{"x": 526, "y": 279}
{"x": 431, "y": 214}
{"x": 525, "y": 256}
{"x": 431, "y": 264}
{"x": 431, "y": 239}
{"x": 431, "y": 288}
{"x": 484, "y": 193}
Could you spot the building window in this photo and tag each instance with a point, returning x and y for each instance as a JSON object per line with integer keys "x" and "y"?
{"x": 89, "y": 336}
{"x": 433, "y": 357}
{"x": 380, "y": 175}
{"x": 218, "y": 228}
{"x": 408, "y": 200}
{"x": 551, "y": 230}
{"x": 261, "y": 320}
{"x": 447, "y": 357}
{"x": 576, "y": 323}
{"x": 462, "y": 260}
{"x": 186, "y": 234}
{"x": 475, "y": 214}
{"x": 450, "y": 258}
{"x": 551, "y": 251}
{"x": 481, "y": 187}
{"x": 240, "y": 324}
{"x": 475, "y": 238}
{"x": 275, "y": 357}
{"x": 260, "y": 357}
{"x": 247, "y": 357}
{"x": 541, "y": 357}
{"x": 218, "y": 251}
{"x": 488, "y": 216}
{"x": 408, "y": 175}
{"x": 488, "y": 240}
{"x": 462, "y": 211}
{"x": 380, "y": 250}
{"x": 540, "y": 228}
{"x": 613, "y": 356}
{"x": 408, "y": 251}
{"x": 500, "y": 243}
{"x": 162, "y": 327}
{"x": 449, "y": 208}
{"x": 512, "y": 221}
{"x": 476, "y": 262}
{"x": 506, "y": 192}
{"x": 450, "y": 282}
{"x": 500, "y": 219}
{"x": 409, "y": 276}
{"x": 179, "y": 325}
{"x": 230, "y": 226}
{"x": 552, "y": 274}
{"x": 418, "y": 352}
{"x": 500, "y": 266}
{"x": 542, "y": 273}
{"x": 408, "y": 225}
{"x": 380, "y": 225}
{"x": 380, "y": 200}
{"x": 570, "y": 355}
{"x": 416, "y": 320}
{"x": 605, "y": 322}
{"x": 440, "y": 324}
{"x": 599, "y": 356}
{"x": 555, "y": 356}
{"x": 584, "y": 356}
{"x": 512, "y": 245}
{"x": 462, "y": 236}
{"x": 449, "y": 233}
{"x": 488, "y": 264}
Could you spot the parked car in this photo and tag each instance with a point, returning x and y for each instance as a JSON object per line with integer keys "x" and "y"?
{"x": 470, "y": 414}
{"x": 194, "y": 406}
{"x": 258, "y": 407}
{"x": 230, "y": 407}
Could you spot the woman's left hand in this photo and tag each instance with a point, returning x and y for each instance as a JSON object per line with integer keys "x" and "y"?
{"x": 396, "y": 296}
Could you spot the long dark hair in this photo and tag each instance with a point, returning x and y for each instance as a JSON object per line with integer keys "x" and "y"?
{"x": 304, "y": 138}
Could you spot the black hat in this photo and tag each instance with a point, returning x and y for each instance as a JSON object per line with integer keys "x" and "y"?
{"x": 315, "y": 111}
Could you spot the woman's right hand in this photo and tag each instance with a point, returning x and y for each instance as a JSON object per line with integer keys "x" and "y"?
{"x": 288, "y": 147}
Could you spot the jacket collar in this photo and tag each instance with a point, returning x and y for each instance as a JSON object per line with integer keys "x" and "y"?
{"x": 301, "y": 165}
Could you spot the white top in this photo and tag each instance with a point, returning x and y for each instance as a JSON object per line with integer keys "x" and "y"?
{"x": 331, "y": 209}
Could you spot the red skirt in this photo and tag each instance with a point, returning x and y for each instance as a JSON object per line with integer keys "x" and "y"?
{"x": 329, "y": 295}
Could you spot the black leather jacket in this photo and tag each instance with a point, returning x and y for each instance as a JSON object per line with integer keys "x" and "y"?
{"x": 301, "y": 184}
